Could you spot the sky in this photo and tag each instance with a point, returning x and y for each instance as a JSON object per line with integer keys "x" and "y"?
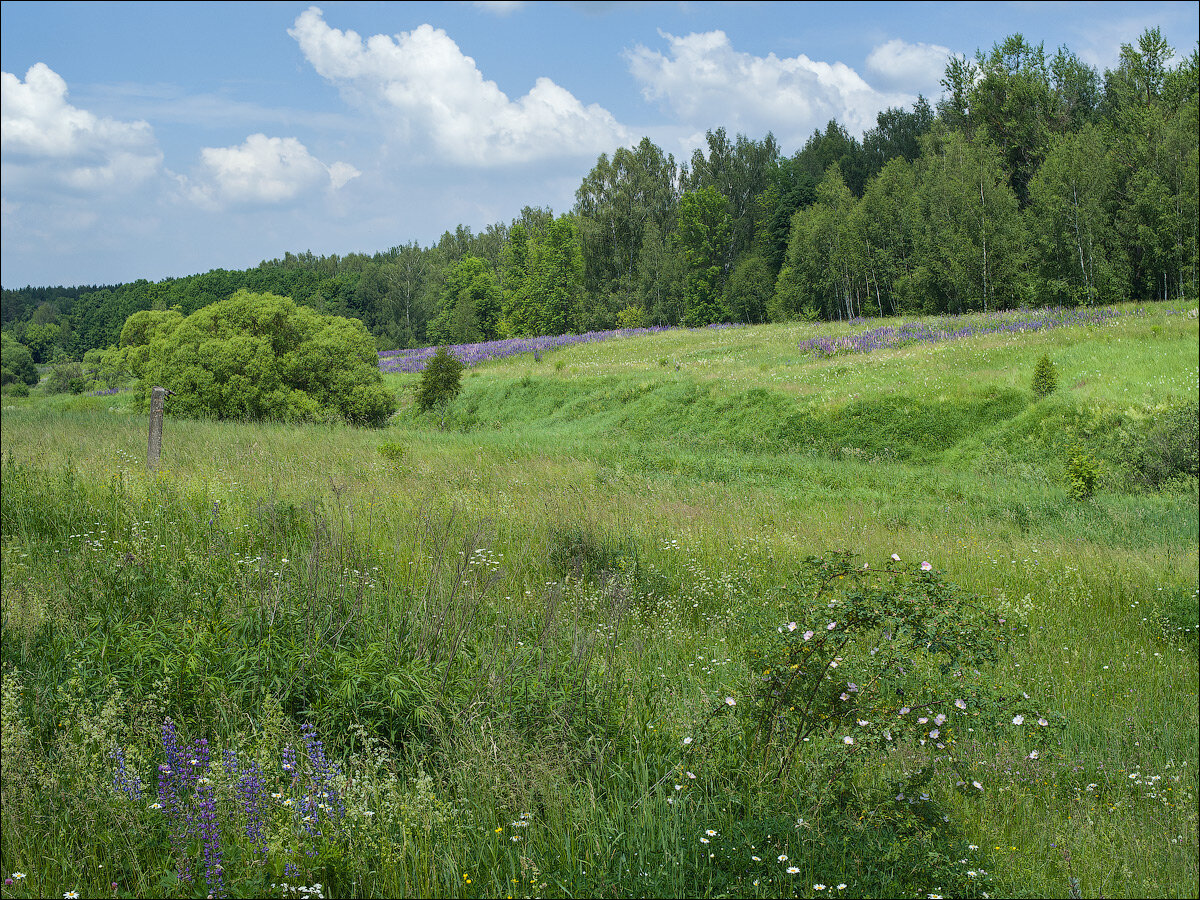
{"x": 151, "y": 140}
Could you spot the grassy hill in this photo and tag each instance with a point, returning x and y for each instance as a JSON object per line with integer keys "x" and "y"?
{"x": 520, "y": 618}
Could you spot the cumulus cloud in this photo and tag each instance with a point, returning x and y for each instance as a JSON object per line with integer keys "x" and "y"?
{"x": 423, "y": 84}
{"x": 47, "y": 141}
{"x": 911, "y": 67}
{"x": 705, "y": 82}
{"x": 264, "y": 170}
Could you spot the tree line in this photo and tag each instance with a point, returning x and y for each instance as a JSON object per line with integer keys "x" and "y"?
{"x": 1035, "y": 180}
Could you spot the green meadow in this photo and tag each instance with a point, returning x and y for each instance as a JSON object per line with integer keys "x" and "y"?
{"x": 536, "y": 635}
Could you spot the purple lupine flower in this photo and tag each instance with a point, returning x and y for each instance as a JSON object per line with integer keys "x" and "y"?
{"x": 321, "y": 800}
{"x": 197, "y": 762}
{"x": 170, "y": 742}
{"x": 289, "y": 762}
{"x": 252, "y": 794}
{"x": 171, "y": 780}
{"x": 949, "y": 328}
{"x": 210, "y": 832}
{"x": 473, "y": 354}
{"x": 123, "y": 779}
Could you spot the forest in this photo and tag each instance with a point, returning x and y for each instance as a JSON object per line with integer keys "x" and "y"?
{"x": 1034, "y": 181}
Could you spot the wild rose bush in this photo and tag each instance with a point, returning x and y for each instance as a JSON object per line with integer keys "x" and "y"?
{"x": 879, "y": 665}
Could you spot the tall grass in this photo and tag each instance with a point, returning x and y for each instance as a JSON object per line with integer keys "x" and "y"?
{"x": 506, "y": 629}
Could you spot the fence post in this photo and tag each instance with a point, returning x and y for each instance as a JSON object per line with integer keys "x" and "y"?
{"x": 157, "y": 397}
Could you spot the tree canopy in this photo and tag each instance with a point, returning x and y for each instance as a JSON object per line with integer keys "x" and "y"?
{"x": 259, "y": 356}
{"x": 1034, "y": 179}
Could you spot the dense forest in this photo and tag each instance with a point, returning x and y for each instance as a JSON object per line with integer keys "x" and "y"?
{"x": 1035, "y": 180}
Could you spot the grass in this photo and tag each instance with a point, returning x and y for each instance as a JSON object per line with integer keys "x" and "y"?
{"x": 528, "y": 611}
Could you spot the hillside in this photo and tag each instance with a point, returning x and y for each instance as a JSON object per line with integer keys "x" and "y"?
{"x": 581, "y": 592}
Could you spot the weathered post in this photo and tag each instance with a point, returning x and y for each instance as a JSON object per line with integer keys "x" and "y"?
{"x": 157, "y": 397}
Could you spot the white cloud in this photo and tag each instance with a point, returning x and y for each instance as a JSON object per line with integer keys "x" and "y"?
{"x": 264, "y": 170}
{"x": 423, "y": 84}
{"x": 46, "y": 141}
{"x": 915, "y": 67}
{"x": 706, "y": 82}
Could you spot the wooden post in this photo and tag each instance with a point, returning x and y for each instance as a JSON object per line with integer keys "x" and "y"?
{"x": 157, "y": 396}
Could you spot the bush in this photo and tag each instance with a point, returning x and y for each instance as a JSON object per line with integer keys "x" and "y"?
{"x": 441, "y": 381}
{"x": 1082, "y": 473}
{"x": 259, "y": 356}
{"x": 856, "y": 707}
{"x": 1170, "y": 451}
{"x": 1045, "y": 378}
{"x": 66, "y": 376}
{"x": 16, "y": 363}
{"x": 899, "y": 635}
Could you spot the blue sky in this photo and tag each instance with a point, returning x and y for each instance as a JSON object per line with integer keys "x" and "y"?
{"x": 149, "y": 140}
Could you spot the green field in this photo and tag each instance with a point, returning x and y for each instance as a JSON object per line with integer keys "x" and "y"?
{"x": 504, "y": 629}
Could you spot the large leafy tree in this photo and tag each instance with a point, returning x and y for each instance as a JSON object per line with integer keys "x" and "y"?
{"x": 823, "y": 272}
{"x": 545, "y": 299}
{"x": 791, "y": 188}
{"x": 16, "y": 362}
{"x": 740, "y": 170}
{"x": 469, "y": 304}
{"x": 970, "y": 246}
{"x": 660, "y": 278}
{"x": 835, "y": 146}
{"x": 1013, "y": 103}
{"x": 750, "y": 289}
{"x": 406, "y": 270}
{"x": 618, "y": 200}
{"x": 1076, "y": 89}
{"x": 897, "y": 134}
{"x": 1150, "y": 123}
{"x": 886, "y": 223}
{"x": 702, "y": 238}
{"x": 1071, "y": 221}
{"x": 260, "y": 356}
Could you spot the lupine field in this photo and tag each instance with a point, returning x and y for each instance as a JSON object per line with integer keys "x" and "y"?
{"x": 767, "y": 611}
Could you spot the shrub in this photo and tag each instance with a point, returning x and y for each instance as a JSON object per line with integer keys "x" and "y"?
{"x": 857, "y": 707}
{"x": 259, "y": 356}
{"x": 66, "y": 376}
{"x": 1170, "y": 451}
{"x": 441, "y": 381}
{"x": 1082, "y": 473}
{"x": 1045, "y": 378}
{"x": 876, "y": 659}
{"x": 16, "y": 363}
